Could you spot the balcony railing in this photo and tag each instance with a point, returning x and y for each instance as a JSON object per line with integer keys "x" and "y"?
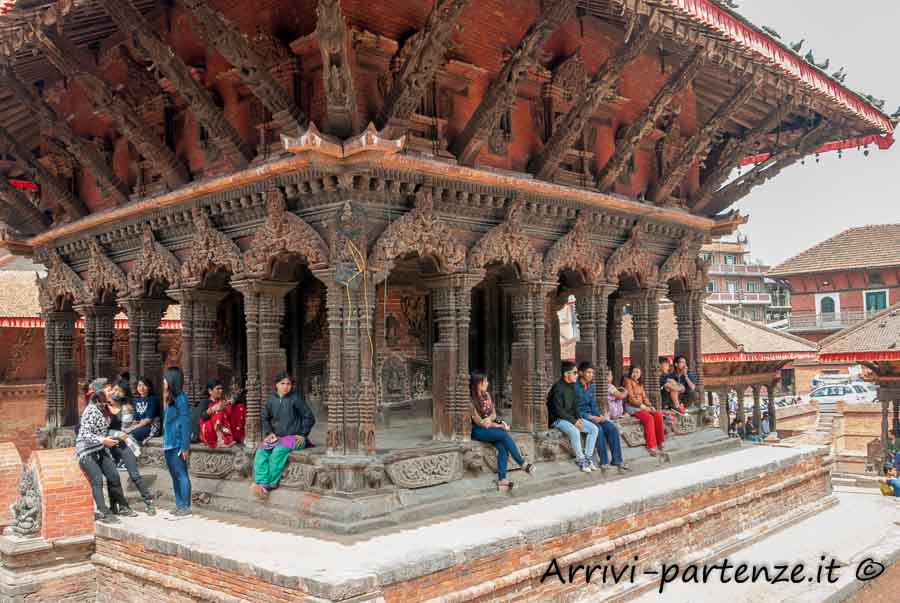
{"x": 739, "y": 298}
{"x": 737, "y": 269}
{"x": 810, "y": 321}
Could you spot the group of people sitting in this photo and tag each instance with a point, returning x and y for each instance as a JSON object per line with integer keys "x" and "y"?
{"x": 115, "y": 424}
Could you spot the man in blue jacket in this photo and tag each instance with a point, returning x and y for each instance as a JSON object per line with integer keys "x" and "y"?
{"x": 608, "y": 433}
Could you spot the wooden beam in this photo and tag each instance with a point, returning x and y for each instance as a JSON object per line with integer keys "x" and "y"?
{"x": 647, "y": 120}
{"x": 342, "y": 114}
{"x": 600, "y": 88}
{"x": 21, "y": 214}
{"x": 141, "y": 35}
{"x": 698, "y": 147}
{"x": 764, "y": 172}
{"x": 48, "y": 182}
{"x": 72, "y": 62}
{"x": 426, "y": 53}
{"x": 228, "y": 40}
{"x": 485, "y": 121}
{"x": 735, "y": 150}
{"x": 84, "y": 152}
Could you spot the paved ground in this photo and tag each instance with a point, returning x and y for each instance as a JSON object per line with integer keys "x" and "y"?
{"x": 864, "y": 525}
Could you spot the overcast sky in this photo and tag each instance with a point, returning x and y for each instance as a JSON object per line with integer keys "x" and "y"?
{"x": 807, "y": 204}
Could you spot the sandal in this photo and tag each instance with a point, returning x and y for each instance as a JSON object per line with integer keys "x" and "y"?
{"x": 504, "y": 487}
{"x": 528, "y": 468}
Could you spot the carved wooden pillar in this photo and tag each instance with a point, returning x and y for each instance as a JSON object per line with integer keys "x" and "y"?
{"x": 601, "y": 293}
{"x": 522, "y": 360}
{"x": 264, "y": 311}
{"x": 586, "y": 306}
{"x": 198, "y": 322}
{"x": 773, "y": 425}
{"x": 724, "y": 419}
{"x": 740, "y": 390}
{"x": 614, "y": 346}
{"x": 696, "y": 361}
{"x": 464, "y": 286}
{"x": 653, "y": 295}
{"x": 99, "y": 326}
{"x": 62, "y": 380}
{"x": 334, "y": 389}
{"x": 144, "y": 317}
{"x": 444, "y": 359}
{"x": 366, "y": 399}
{"x": 540, "y": 294}
{"x": 757, "y": 411}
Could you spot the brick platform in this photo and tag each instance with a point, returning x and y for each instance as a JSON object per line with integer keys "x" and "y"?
{"x": 10, "y": 472}
{"x": 683, "y": 512}
{"x": 68, "y": 507}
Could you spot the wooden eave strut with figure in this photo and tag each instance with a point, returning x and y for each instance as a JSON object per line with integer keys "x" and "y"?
{"x": 353, "y": 214}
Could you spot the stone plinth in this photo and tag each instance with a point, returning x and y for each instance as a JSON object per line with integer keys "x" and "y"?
{"x": 10, "y": 470}
{"x": 68, "y": 507}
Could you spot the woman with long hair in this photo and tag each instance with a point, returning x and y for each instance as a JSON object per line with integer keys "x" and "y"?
{"x": 126, "y": 453}
{"x": 490, "y": 430}
{"x": 639, "y": 406}
{"x": 177, "y": 438}
{"x": 91, "y": 448}
{"x": 146, "y": 411}
{"x": 221, "y": 419}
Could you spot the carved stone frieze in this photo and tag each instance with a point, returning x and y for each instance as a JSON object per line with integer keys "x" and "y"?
{"x": 155, "y": 264}
{"x": 211, "y": 464}
{"x": 575, "y": 251}
{"x": 211, "y": 251}
{"x": 425, "y": 471}
{"x": 685, "y": 424}
{"x": 374, "y": 476}
{"x": 422, "y": 232}
{"x": 283, "y": 234}
{"x": 633, "y": 258}
{"x": 26, "y": 511}
{"x": 298, "y": 475}
{"x": 152, "y": 457}
{"x": 507, "y": 244}
{"x": 473, "y": 459}
{"x": 631, "y": 431}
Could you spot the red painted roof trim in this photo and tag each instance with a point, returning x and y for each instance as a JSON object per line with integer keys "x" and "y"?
{"x": 750, "y": 357}
{"x": 723, "y": 21}
{"x": 882, "y": 142}
{"x": 860, "y": 356}
{"x": 25, "y": 185}
{"x": 15, "y": 322}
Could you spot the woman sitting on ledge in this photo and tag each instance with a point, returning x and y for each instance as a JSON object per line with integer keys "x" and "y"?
{"x": 487, "y": 428}
{"x": 286, "y": 423}
{"x": 639, "y": 406}
{"x": 222, "y": 421}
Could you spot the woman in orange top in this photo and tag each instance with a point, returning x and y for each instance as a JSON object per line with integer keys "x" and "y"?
{"x": 639, "y": 406}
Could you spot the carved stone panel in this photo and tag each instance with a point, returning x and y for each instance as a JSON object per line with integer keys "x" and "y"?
{"x": 213, "y": 465}
{"x": 632, "y": 431}
{"x": 524, "y": 441}
{"x": 26, "y": 510}
{"x": 425, "y": 471}
{"x": 298, "y": 476}
{"x": 685, "y": 424}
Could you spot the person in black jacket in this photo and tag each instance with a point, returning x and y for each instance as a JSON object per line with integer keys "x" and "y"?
{"x": 286, "y": 423}
{"x": 562, "y": 410}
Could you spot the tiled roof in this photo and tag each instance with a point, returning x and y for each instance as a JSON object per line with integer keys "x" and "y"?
{"x": 874, "y": 246}
{"x": 881, "y": 333}
{"x": 722, "y": 333}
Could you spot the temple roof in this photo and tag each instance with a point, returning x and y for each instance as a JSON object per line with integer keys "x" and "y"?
{"x": 874, "y": 246}
{"x": 727, "y": 337}
{"x": 875, "y": 339}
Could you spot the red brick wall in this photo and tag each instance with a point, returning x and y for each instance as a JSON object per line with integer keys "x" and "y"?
{"x": 67, "y": 505}
{"x": 22, "y": 413}
{"x": 10, "y": 472}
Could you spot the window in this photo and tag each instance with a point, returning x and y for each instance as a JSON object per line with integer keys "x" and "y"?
{"x": 752, "y": 287}
{"x": 732, "y": 287}
{"x": 711, "y": 286}
{"x": 826, "y": 305}
{"x": 730, "y": 260}
{"x": 876, "y": 301}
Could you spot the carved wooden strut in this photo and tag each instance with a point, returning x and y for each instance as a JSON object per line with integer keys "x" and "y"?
{"x": 342, "y": 117}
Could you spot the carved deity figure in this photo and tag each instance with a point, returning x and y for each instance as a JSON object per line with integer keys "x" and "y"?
{"x": 27, "y": 509}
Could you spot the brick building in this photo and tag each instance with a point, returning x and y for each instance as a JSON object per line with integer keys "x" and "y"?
{"x": 843, "y": 280}
{"x": 736, "y": 284}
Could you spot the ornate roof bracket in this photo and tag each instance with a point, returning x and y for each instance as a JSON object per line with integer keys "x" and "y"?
{"x": 69, "y": 202}
{"x": 735, "y": 150}
{"x": 485, "y": 121}
{"x": 342, "y": 113}
{"x": 103, "y": 274}
{"x": 156, "y": 263}
{"x": 227, "y": 39}
{"x": 79, "y": 148}
{"x": 212, "y": 250}
{"x": 575, "y": 251}
{"x": 367, "y": 145}
{"x": 507, "y": 243}
{"x": 72, "y": 62}
{"x": 698, "y": 147}
{"x": 601, "y": 87}
{"x": 143, "y": 37}
{"x": 634, "y": 259}
{"x": 679, "y": 80}
{"x": 20, "y": 213}
{"x": 767, "y": 170}
{"x": 425, "y": 53}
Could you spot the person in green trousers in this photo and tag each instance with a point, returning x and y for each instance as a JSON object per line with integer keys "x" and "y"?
{"x": 286, "y": 423}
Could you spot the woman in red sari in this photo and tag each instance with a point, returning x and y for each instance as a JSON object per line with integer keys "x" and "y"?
{"x": 222, "y": 422}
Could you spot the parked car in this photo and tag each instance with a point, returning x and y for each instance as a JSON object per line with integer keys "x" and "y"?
{"x": 850, "y": 393}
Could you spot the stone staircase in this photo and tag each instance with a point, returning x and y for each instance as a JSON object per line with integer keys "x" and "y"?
{"x": 822, "y": 433}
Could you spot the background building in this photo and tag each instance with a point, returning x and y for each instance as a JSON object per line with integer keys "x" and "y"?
{"x": 842, "y": 281}
{"x": 736, "y": 284}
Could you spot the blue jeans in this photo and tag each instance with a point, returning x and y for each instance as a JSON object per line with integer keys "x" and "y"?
{"x": 608, "y": 435}
{"x": 575, "y": 437}
{"x": 181, "y": 481}
{"x": 895, "y": 484}
{"x": 504, "y": 444}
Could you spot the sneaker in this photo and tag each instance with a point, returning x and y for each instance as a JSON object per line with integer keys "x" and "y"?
{"x": 528, "y": 468}
{"x": 109, "y": 518}
{"x": 183, "y": 512}
{"x": 585, "y": 466}
{"x": 150, "y": 509}
{"x": 126, "y": 512}
{"x": 623, "y": 468}
{"x": 602, "y": 468}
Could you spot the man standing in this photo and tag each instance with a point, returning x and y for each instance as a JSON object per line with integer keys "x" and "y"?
{"x": 607, "y": 432}
{"x": 562, "y": 409}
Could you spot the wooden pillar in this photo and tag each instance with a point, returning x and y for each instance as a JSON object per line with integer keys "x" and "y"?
{"x": 757, "y": 413}
{"x": 144, "y": 317}
{"x": 773, "y": 426}
{"x": 522, "y": 361}
{"x": 724, "y": 419}
{"x": 99, "y": 326}
{"x": 586, "y": 307}
{"x": 543, "y": 366}
{"x": 601, "y": 293}
{"x": 695, "y": 361}
{"x": 334, "y": 389}
{"x": 740, "y": 390}
{"x": 615, "y": 349}
{"x": 198, "y": 322}
{"x": 62, "y": 380}
{"x": 444, "y": 359}
{"x": 366, "y": 401}
{"x": 645, "y": 345}
{"x": 463, "y": 285}
{"x": 264, "y": 313}
{"x": 885, "y": 439}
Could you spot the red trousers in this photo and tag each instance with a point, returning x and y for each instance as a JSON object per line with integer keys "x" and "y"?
{"x": 654, "y": 430}
{"x": 230, "y": 422}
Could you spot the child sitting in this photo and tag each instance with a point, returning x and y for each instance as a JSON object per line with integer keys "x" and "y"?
{"x": 890, "y": 484}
